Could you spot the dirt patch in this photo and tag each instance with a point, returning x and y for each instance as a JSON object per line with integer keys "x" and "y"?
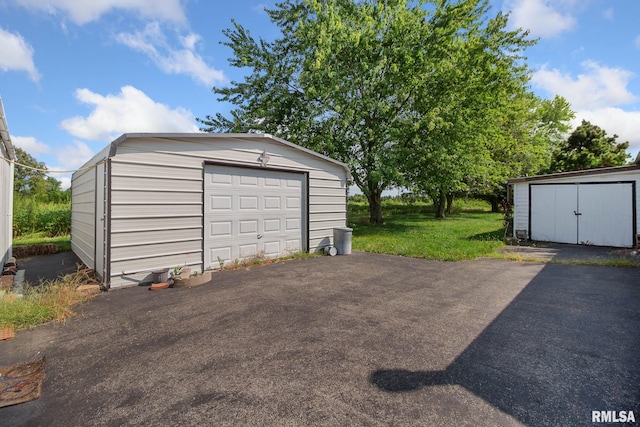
{"x": 33, "y": 250}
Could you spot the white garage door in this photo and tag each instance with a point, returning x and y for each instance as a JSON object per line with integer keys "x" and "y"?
{"x": 250, "y": 212}
{"x": 599, "y": 214}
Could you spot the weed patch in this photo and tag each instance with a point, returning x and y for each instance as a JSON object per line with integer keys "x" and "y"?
{"x": 49, "y": 301}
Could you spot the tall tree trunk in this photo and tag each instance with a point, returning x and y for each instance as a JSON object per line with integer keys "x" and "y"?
{"x": 375, "y": 205}
{"x": 441, "y": 204}
{"x": 449, "y": 203}
{"x": 495, "y": 204}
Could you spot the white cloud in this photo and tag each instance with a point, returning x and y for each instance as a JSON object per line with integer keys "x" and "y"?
{"x": 181, "y": 60}
{"x": 542, "y": 17}
{"x": 608, "y": 14}
{"x": 85, "y": 11}
{"x": 17, "y": 54}
{"x": 129, "y": 111}
{"x": 599, "y": 87}
{"x": 625, "y": 124}
{"x": 637, "y": 42}
{"x": 30, "y": 144}
{"x": 70, "y": 157}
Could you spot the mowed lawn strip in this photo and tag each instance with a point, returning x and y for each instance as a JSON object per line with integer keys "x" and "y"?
{"x": 467, "y": 234}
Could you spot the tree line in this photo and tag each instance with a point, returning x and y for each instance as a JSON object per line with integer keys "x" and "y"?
{"x": 32, "y": 183}
{"x": 430, "y": 95}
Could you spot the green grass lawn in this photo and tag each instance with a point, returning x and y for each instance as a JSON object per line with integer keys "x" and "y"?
{"x": 412, "y": 230}
{"x": 63, "y": 242}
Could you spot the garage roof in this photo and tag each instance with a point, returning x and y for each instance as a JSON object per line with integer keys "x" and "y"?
{"x": 5, "y": 139}
{"x": 239, "y": 136}
{"x": 599, "y": 171}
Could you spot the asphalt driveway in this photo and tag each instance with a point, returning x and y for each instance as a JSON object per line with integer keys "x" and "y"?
{"x": 364, "y": 339}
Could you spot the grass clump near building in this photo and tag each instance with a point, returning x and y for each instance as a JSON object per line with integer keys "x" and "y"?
{"x": 46, "y": 302}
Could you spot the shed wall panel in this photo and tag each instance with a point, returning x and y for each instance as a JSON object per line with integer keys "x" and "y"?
{"x": 6, "y": 198}
{"x": 83, "y": 219}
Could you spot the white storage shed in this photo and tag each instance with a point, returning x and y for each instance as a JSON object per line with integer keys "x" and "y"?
{"x": 7, "y": 157}
{"x": 593, "y": 207}
{"x": 156, "y": 201}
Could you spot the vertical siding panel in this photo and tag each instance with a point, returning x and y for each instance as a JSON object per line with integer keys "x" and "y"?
{"x": 521, "y": 210}
{"x": 83, "y": 220}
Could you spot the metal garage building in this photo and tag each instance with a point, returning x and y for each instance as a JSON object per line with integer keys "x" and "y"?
{"x": 596, "y": 206}
{"x": 156, "y": 201}
{"x": 8, "y": 156}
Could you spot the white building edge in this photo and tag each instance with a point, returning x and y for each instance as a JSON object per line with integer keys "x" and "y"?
{"x": 6, "y": 188}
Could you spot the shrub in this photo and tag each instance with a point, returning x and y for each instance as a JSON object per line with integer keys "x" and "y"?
{"x": 52, "y": 219}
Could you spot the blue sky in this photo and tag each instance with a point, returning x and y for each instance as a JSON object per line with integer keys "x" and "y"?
{"x": 76, "y": 74}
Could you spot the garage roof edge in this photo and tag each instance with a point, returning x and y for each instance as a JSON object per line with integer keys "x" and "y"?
{"x": 615, "y": 169}
{"x": 252, "y": 136}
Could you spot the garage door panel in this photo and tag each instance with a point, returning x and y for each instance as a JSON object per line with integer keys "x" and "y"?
{"x": 248, "y": 203}
{"x": 272, "y": 202}
{"x": 222, "y": 253}
{"x": 248, "y": 181}
{"x": 272, "y": 182}
{"x": 293, "y": 203}
{"x": 248, "y": 251}
{"x": 220, "y": 228}
{"x": 223, "y": 180}
{"x": 221, "y": 203}
{"x": 606, "y": 214}
{"x": 293, "y": 245}
{"x": 272, "y": 249}
{"x": 552, "y": 213}
{"x": 586, "y": 213}
{"x": 292, "y": 224}
{"x": 265, "y": 213}
{"x": 271, "y": 225}
{"x": 248, "y": 227}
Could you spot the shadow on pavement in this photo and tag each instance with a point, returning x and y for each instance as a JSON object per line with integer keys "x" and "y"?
{"x": 561, "y": 349}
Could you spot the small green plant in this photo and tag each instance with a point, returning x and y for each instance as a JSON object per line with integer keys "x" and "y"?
{"x": 221, "y": 263}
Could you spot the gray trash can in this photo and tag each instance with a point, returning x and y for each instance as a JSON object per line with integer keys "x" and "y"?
{"x": 342, "y": 240}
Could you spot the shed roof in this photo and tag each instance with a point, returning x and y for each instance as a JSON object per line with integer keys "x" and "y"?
{"x": 256, "y": 137}
{"x": 5, "y": 138}
{"x": 598, "y": 171}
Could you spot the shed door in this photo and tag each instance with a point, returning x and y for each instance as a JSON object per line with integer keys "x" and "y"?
{"x": 250, "y": 212}
{"x": 599, "y": 214}
{"x": 552, "y": 213}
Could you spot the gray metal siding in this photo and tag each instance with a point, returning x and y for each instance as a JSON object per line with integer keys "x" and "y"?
{"x": 83, "y": 215}
{"x": 6, "y": 214}
{"x": 157, "y": 198}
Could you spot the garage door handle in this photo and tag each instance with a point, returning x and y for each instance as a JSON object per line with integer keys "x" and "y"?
{"x": 260, "y": 236}
{"x": 577, "y": 213}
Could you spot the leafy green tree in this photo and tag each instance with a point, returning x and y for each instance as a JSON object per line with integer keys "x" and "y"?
{"x": 30, "y": 178}
{"x": 31, "y": 181}
{"x": 524, "y": 137}
{"x": 396, "y": 89}
{"x": 589, "y": 147}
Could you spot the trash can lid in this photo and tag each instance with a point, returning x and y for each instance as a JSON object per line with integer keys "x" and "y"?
{"x": 343, "y": 228}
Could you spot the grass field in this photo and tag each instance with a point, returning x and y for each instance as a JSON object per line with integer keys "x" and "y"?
{"x": 471, "y": 231}
{"x": 63, "y": 242}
